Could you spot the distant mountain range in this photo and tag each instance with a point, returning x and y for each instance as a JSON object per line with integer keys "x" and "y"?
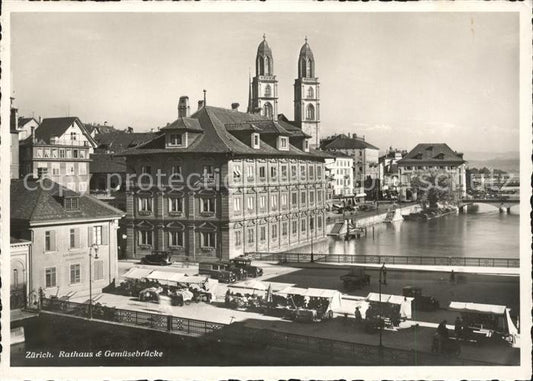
{"x": 506, "y": 161}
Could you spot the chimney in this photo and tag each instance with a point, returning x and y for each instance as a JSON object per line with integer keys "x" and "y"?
{"x": 33, "y": 134}
{"x": 200, "y": 104}
{"x": 183, "y": 107}
{"x": 354, "y": 135}
{"x": 40, "y": 119}
{"x": 235, "y": 106}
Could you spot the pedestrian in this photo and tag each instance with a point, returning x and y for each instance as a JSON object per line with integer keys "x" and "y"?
{"x": 442, "y": 334}
{"x": 358, "y": 316}
{"x": 452, "y": 276}
{"x": 458, "y": 327}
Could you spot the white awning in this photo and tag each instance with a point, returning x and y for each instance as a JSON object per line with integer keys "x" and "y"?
{"x": 477, "y": 307}
{"x": 360, "y": 195}
{"x": 137, "y": 273}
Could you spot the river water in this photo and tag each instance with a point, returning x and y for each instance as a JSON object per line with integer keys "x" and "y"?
{"x": 485, "y": 233}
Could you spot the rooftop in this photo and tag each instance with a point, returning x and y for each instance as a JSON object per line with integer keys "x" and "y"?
{"x": 107, "y": 163}
{"x": 118, "y": 141}
{"x": 40, "y": 201}
{"x": 432, "y": 152}
{"x": 344, "y": 142}
{"x": 55, "y": 127}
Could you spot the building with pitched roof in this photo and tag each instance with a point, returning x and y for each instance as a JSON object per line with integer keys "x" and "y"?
{"x": 339, "y": 173}
{"x": 59, "y": 149}
{"x": 364, "y": 154}
{"x": 431, "y": 158}
{"x": 232, "y": 183}
{"x": 64, "y": 228}
{"x": 25, "y": 126}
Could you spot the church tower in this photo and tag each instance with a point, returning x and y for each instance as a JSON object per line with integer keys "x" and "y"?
{"x": 264, "y": 97}
{"x": 307, "y": 95}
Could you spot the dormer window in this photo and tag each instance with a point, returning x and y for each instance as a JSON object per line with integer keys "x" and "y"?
{"x": 175, "y": 139}
{"x": 71, "y": 203}
{"x": 283, "y": 143}
{"x": 306, "y": 145}
{"x": 255, "y": 140}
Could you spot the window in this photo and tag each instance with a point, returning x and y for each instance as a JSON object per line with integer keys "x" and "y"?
{"x": 311, "y": 197}
{"x": 273, "y": 172}
{"x": 275, "y": 232}
{"x": 310, "y": 93}
{"x": 175, "y": 239}
{"x": 55, "y": 169}
{"x": 267, "y": 110}
{"x": 303, "y": 172}
{"x": 208, "y": 239}
{"x": 319, "y": 222}
{"x": 262, "y": 172}
{"x": 268, "y": 91}
{"x": 74, "y": 238}
{"x": 75, "y": 153}
{"x": 237, "y": 204}
{"x": 255, "y": 140}
{"x": 311, "y": 223}
{"x": 294, "y": 227}
{"x": 262, "y": 233}
{"x": 250, "y": 235}
{"x": 46, "y": 152}
{"x": 293, "y": 171}
{"x": 284, "y": 200}
{"x": 70, "y": 169}
{"x": 98, "y": 270}
{"x": 73, "y": 136}
{"x": 61, "y": 153}
{"x": 236, "y": 174}
{"x": 306, "y": 145}
{"x": 145, "y": 204}
{"x": 250, "y": 171}
{"x": 82, "y": 154}
{"x": 39, "y": 153}
{"x": 75, "y": 273}
{"x": 69, "y": 153}
{"x": 283, "y": 143}
{"x": 50, "y": 277}
{"x": 175, "y": 205}
{"x": 302, "y": 197}
{"x": 208, "y": 171}
{"x": 262, "y": 202}
{"x": 274, "y": 202}
{"x": 145, "y": 238}
{"x": 207, "y": 205}
{"x": 71, "y": 203}
{"x": 284, "y": 229}
{"x": 97, "y": 235}
{"x": 54, "y": 153}
{"x": 146, "y": 169}
{"x": 310, "y": 112}
{"x": 250, "y": 202}
{"x": 294, "y": 201}
{"x": 319, "y": 196}
{"x": 303, "y": 224}
{"x": 284, "y": 172}
{"x": 238, "y": 238}
{"x": 311, "y": 172}
{"x": 42, "y": 172}
{"x": 49, "y": 240}
{"x": 176, "y": 170}
{"x": 175, "y": 139}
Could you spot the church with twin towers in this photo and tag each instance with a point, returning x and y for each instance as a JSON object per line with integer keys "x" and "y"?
{"x": 263, "y": 91}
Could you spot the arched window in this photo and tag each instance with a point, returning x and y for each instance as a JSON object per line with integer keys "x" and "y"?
{"x": 260, "y": 66}
{"x": 308, "y": 68}
{"x": 268, "y": 91}
{"x": 310, "y": 93}
{"x": 310, "y": 112}
{"x": 268, "y": 66}
{"x": 268, "y": 110}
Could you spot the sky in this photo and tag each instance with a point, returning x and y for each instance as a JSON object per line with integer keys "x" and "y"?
{"x": 397, "y": 78}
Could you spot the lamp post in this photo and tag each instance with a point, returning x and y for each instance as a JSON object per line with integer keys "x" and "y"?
{"x": 382, "y": 280}
{"x": 94, "y": 247}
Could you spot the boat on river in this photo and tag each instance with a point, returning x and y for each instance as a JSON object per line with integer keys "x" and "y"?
{"x": 430, "y": 213}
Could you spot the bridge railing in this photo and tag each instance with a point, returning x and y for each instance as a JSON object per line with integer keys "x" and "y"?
{"x": 387, "y": 259}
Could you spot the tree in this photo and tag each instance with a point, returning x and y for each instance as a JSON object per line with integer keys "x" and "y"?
{"x": 433, "y": 187}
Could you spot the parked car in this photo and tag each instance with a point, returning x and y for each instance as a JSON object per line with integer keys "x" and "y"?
{"x": 157, "y": 258}
{"x": 246, "y": 264}
{"x": 420, "y": 302}
{"x": 218, "y": 270}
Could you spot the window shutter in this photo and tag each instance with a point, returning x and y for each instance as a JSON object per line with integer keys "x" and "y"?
{"x": 89, "y": 235}
{"x": 105, "y": 234}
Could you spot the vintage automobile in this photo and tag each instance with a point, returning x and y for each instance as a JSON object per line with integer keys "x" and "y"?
{"x": 420, "y": 303}
{"x": 355, "y": 279}
{"x": 220, "y": 271}
{"x": 157, "y": 258}
{"x": 246, "y": 264}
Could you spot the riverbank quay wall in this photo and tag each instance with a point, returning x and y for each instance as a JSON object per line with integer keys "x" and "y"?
{"x": 380, "y": 218}
{"x": 247, "y": 346}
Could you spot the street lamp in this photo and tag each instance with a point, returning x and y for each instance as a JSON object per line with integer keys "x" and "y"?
{"x": 382, "y": 280}
{"x": 94, "y": 247}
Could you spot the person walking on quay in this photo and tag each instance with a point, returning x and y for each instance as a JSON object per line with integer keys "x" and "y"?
{"x": 358, "y": 316}
{"x": 442, "y": 334}
{"x": 458, "y": 327}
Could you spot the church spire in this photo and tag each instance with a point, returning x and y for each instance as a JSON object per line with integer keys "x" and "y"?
{"x": 264, "y": 84}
